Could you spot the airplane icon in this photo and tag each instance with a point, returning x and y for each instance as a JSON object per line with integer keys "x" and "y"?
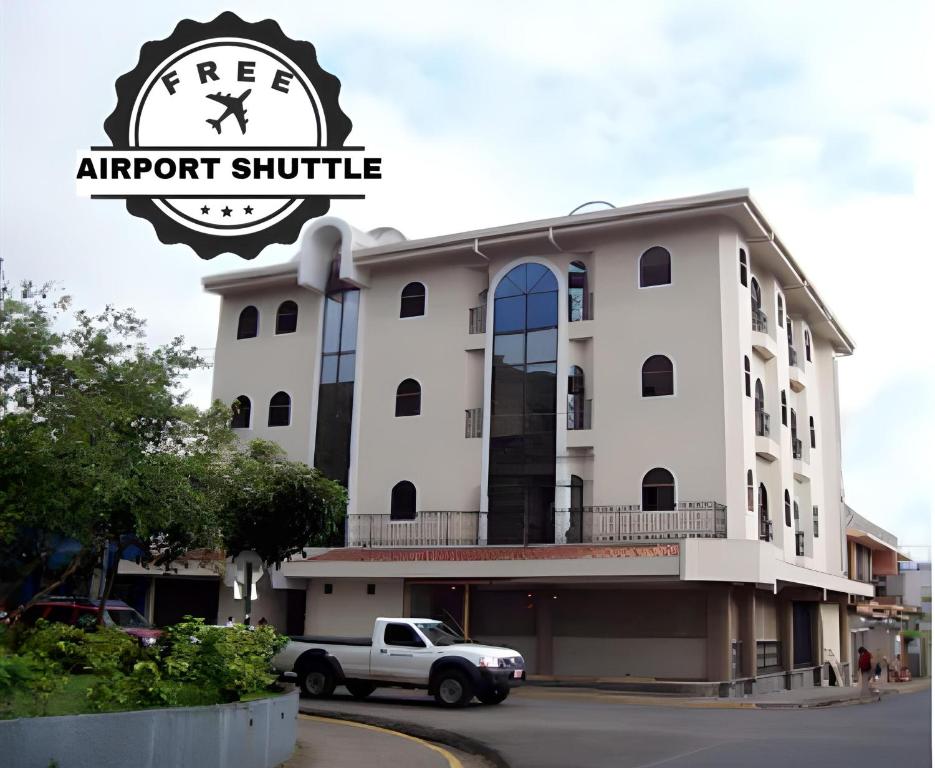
{"x": 234, "y": 106}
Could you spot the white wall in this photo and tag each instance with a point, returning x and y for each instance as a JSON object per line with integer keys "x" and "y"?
{"x": 349, "y": 610}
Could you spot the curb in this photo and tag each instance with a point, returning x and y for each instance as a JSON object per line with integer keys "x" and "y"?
{"x": 437, "y": 735}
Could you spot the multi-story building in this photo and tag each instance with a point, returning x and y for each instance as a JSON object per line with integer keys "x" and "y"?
{"x": 610, "y": 440}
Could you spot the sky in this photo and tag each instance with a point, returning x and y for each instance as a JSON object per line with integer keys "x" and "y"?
{"x": 490, "y": 113}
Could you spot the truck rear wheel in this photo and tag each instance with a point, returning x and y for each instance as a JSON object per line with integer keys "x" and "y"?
{"x": 359, "y": 689}
{"x": 494, "y": 695}
{"x": 453, "y": 688}
{"x": 317, "y": 681}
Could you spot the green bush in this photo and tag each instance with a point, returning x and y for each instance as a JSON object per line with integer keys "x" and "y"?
{"x": 14, "y": 672}
{"x": 104, "y": 650}
{"x": 143, "y": 687}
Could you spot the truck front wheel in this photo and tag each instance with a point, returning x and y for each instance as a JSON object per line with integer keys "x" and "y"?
{"x": 453, "y": 689}
{"x": 317, "y": 681}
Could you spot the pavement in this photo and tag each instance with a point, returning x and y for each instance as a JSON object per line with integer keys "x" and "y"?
{"x": 579, "y": 728}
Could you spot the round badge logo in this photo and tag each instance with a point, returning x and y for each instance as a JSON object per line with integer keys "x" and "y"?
{"x": 227, "y": 136}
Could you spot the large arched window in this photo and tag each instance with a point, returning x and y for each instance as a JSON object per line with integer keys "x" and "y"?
{"x": 655, "y": 267}
{"x": 248, "y": 323}
{"x": 756, "y": 295}
{"x": 240, "y": 413}
{"x": 657, "y": 376}
{"x": 749, "y": 490}
{"x": 287, "y": 317}
{"x": 788, "y": 507}
{"x": 578, "y": 297}
{"x": 766, "y": 533}
{"x": 409, "y": 398}
{"x": 412, "y": 301}
{"x": 280, "y": 410}
{"x": 746, "y": 375}
{"x": 743, "y": 267}
{"x": 658, "y": 490}
{"x": 576, "y": 407}
{"x": 403, "y": 501}
{"x": 759, "y": 410}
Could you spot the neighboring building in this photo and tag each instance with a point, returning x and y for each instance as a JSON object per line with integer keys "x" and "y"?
{"x": 609, "y": 440}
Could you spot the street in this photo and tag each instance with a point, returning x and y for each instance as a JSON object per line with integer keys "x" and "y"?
{"x": 557, "y": 729}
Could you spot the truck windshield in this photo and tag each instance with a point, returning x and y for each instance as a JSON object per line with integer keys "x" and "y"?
{"x": 439, "y": 633}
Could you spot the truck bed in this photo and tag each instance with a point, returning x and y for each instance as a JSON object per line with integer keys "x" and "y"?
{"x": 324, "y": 640}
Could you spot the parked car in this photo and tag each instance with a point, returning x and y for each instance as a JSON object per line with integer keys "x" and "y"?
{"x": 406, "y": 653}
{"x": 70, "y": 610}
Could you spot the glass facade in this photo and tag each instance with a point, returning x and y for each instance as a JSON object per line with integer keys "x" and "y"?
{"x": 521, "y": 479}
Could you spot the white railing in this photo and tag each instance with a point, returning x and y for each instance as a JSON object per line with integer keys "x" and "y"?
{"x": 427, "y": 529}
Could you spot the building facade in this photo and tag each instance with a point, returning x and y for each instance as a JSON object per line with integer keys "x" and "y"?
{"x": 609, "y": 440}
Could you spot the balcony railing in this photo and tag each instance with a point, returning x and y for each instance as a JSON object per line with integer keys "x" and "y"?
{"x": 579, "y": 412}
{"x": 796, "y": 448}
{"x": 474, "y": 422}
{"x": 800, "y": 544}
{"x": 759, "y": 320}
{"x": 793, "y": 356}
{"x": 762, "y": 423}
{"x": 581, "y": 310}
{"x": 477, "y": 319}
{"x": 766, "y": 529}
{"x": 428, "y": 529}
{"x": 689, "y": 519}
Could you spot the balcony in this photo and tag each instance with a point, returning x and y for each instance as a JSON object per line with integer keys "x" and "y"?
{"x": 763, "y": 343}
{"x": 759, "y": 323}
{"x": 796, "y": 374}
{"x": 766, "y": 447}
{"x": 428, "y": 529}
{"x": 689, "y": 519}
{"x": 796, "y": 448}
{"x": 474, "y": 422}
{"x": 762, "y": 423}
{"x": 477, "y": 328}
{"x": 799, "y": 461}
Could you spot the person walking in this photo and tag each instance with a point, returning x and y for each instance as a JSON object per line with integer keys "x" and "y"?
{"x": 865, "y": 665}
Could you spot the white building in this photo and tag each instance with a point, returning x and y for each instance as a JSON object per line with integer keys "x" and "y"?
{"x": 610, "y": 440}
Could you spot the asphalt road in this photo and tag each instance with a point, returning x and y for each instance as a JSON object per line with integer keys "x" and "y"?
{"x": 551, "y": 729}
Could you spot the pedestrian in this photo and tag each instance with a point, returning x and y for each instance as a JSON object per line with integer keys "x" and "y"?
{"x": 865, "y": 665}
{"x": 230, "y": 621}
{"x": 877, "y": 671}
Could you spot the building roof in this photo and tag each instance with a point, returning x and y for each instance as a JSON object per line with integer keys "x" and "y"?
{"x": 559, "y": 233}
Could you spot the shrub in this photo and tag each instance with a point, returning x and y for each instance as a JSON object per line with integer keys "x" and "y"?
{"x": 143, "y": 687}
{"x": 14, "y": 672}
{"x": 104, "y": 650}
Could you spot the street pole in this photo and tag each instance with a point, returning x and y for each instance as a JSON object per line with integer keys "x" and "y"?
{"x": 248, "y": 592}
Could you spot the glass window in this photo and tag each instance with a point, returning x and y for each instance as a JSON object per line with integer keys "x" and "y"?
{"x": 509, "y": 314}
{"x": 280, "y": 407}
{"x": 349, "y": 321}
{"x": 577, "y": 292}
{"x": 746, "y": 375}
{"x": 509, "y": 349}
{"x": 539, "y": 279}
{"x": 815, "y": 521}
{"x": 541, "y": 346}
{"x": 749, "y": 490}
{"x": 241, "y": 413}
{"x": 743, "y": 267}
{"x": 541, "y": 310}
{"x": 401, "y": 634}
{"x": 329, "y": 369}
{"x": 657, "y": 376}
{"x": 248, "y": 323}
{"x": 788, "y": 508}
{"x": 782, "y": 400}
{"x": 403, "y": 501}
{"x": 756, "y": 297}
{"x": 655, "y": 267}
{"x": 332, "y": 333}
{"x": 513, "y": 284}
{"x": 409, "y": 398}
{"x": 346, "y": 367}
{"x": 412, "y": 301}
{"x": 287, "y": 317}
{"x": 658, "y": 490}
{"x": 780, "y": 314}
{"x": 758, "y": 401}
{"x": 811, "y": 429}
{"x": 808, "y": 346}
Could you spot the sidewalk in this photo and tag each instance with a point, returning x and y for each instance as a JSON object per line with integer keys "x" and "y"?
{"x": 325, "y": 743}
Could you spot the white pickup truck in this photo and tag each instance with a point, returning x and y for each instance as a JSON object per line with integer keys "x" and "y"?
{"x": 407, "y": 653}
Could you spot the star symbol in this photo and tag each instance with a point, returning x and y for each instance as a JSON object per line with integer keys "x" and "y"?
{"x": 226, "y": 211}
{"x": 205, "y": 209}
{"x": 248, "y": 210}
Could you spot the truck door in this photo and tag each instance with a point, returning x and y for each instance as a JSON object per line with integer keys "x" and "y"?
{"x": 400, "y": 655}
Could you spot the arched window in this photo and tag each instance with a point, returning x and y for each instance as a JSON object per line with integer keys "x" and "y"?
{"x": 248, "y": 323}
{"x": 576, "y": 415}
{"x": 749, "y": 490}
{"x": 746, "y": 375}
{"x": 412, "y": 301}
{"x": 655, "y": 267}
{"x": 578, "y": 297}
{"x": 782, "y": 401}
{"x": 287, "y": 317}
{"x": 793, "y": 423}
{"x": 403, "y": 501}
{"x": 657, "y": 376}
{"x": 811, "y": 429}
{"x": 759, "y": 410}
{"x": 577, "y": 493}
{"x": 780, "y": 313}
{"x": 280, "y": 408}
{"x": 409, "y": 398}
{"x": 766, "y": 532}
{"x": 658, "y": 490}
{"x": 240, "y": 410}
{"x": 795, "y": 513}
{"x": 788, "y": 507}
{"x": 743, "y": 267}
{"x": 808, "y": 346}
{"x": 789, "y": 332}
{"x": 756, "y": 296}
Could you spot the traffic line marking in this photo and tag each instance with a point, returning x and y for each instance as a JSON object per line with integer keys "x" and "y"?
{"x": 453, "y": 762}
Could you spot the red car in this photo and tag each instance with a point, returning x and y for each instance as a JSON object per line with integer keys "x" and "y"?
{"x": 70, "y": 610}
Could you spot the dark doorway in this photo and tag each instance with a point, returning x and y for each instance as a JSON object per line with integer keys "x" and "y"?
{"x": 802, "y": 634}
{"x": 177, "y": 598}
{"x": 295, "y": 611}
{"x": 521, "y": 513}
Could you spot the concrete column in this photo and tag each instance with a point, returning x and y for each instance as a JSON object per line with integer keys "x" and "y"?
{"x": 719, "y": 632}
{"x": 784, "y": 614}
{"x": 544, "y": 665}
{"x": 746, "y": 632}
{"x": 844, "y": 629}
